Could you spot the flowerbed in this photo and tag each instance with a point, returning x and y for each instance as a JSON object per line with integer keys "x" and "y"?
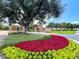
{"x": 69, "y": 52}
{"x": 56, "y": 47}
{"x": 54, "y": 43}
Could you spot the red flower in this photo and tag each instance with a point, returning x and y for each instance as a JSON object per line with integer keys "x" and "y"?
{"x": 56, "y": 43}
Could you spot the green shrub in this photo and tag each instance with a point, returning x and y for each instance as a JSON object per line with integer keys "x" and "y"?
{"x": 49, "y": 56}
{"x": 46, "y": 37}
{"x": 44, "y": 57}
{"x": 30, "y": 57}
{"x": 35, "y": 57}
{"x": 45, "y": 53}
{"x": 27, "y": 55}
{"x": 33, "y": 53}
{"x": 39, "y": 57}
{"x": 37, "y": 53}
{"x": 49, "y": 52}
{"x": 41, "y": 53}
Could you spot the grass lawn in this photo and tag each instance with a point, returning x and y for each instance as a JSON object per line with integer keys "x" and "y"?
{"x": 19, "y": 37}
{"x": 62, "y": 32}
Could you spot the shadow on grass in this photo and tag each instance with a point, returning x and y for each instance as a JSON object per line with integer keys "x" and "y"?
{"x": 19, "y": 33}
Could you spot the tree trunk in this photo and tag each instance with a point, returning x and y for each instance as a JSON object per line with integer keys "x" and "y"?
{"x": 25, "y": 28}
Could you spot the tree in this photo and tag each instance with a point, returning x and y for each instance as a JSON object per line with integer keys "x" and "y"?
{"x": 24, "y": 12}
{"x": 51, "y": 24}
{"x": 1, "y": 26}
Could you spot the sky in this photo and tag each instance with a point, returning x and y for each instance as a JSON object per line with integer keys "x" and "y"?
{"x": 70, "y": 14}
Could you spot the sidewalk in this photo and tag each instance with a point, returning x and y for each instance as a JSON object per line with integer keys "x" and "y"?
{"x": 3, "y": 34}
{"x": 77, "y": 32}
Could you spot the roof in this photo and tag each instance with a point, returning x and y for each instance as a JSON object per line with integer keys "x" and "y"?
{"x": 16, "y": 24}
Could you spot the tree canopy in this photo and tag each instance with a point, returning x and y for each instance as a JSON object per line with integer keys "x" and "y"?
{"x": 64, "y": 26}
{"x": 24, "y": 12}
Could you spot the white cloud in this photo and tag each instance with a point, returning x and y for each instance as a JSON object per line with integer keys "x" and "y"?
{"x": 61, "y": 20}
{"x": 56, "y": 20}
{"x": 75, "y": 22}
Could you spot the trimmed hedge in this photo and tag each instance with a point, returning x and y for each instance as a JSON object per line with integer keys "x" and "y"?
{"x": 69, "y": 52}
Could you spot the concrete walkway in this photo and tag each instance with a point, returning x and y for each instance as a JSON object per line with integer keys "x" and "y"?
{"x": 3, "y": 34}
{"x": 77, "y": 32}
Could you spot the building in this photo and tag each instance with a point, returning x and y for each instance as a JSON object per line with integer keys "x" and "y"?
{"x": 16, "y": 27}
{"x": 39, "y": 27}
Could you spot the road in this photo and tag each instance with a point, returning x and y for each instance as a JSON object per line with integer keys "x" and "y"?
{"x": 74, "y": 37}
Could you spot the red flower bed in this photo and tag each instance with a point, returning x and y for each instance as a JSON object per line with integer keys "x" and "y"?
{"x": 56, "y": 43}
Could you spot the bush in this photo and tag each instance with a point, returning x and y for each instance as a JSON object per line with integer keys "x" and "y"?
{"x": 2, "y": 27}
{"x": 69, "y": 52}
{"x": 6, "y": 28}
{"x": 46, "y": 37}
